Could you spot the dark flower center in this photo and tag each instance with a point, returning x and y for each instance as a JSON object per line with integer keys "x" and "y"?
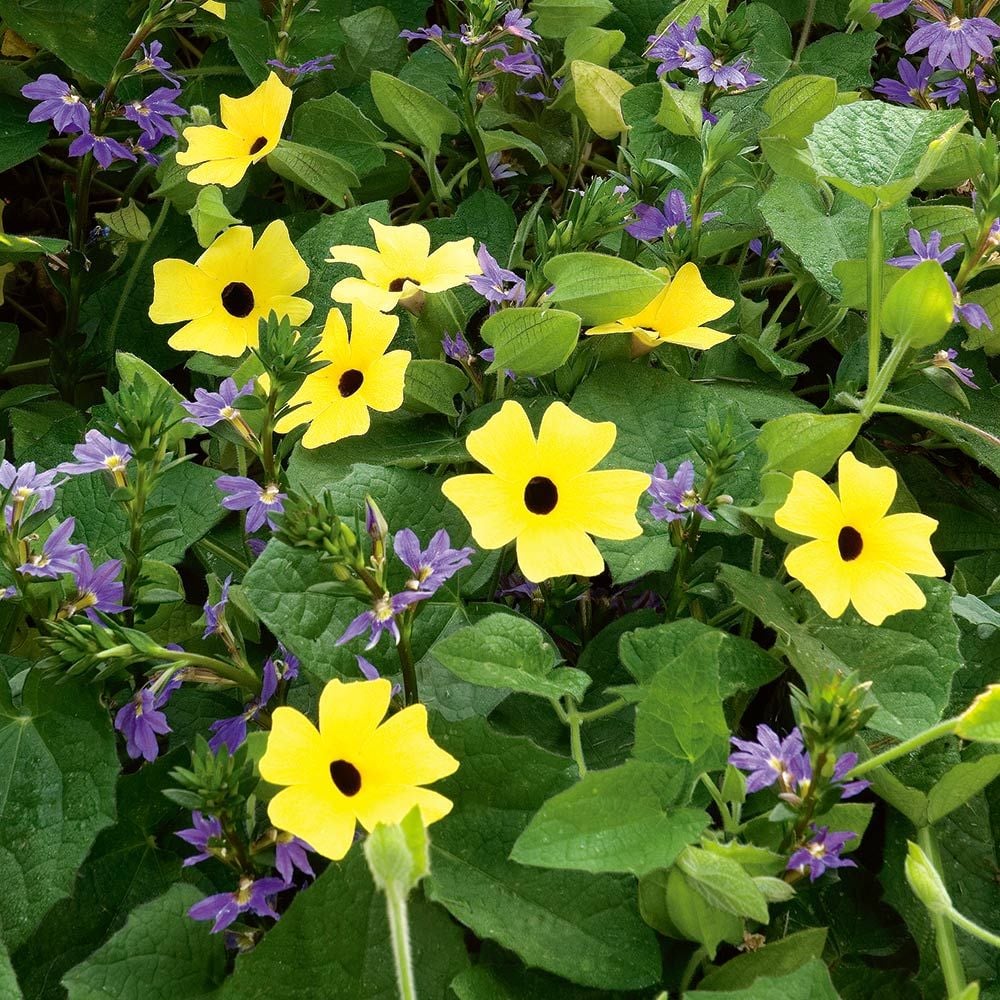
{"x": 258, "y": 144}
{"x": 237, "y": 299}
{"x": 850, "y": 543}
{"x": 346, "y": 777}
{"x": 350, "y": 382}
{"x": 540, "y": 495}
{"x": 396, "y": 285}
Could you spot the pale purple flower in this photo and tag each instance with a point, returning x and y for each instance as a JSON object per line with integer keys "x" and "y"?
{"x": 946, "y": 359}
{"x": 210, "y": 408}
{"x": 845, "y": 764}
{"x": 204, "y": 830}
{"x": 822, "y": 852}
{"x": 516, "y": 23}
{"x": 252, "y": 895}
{"x": 912, "y": 83}
{"x": 59, "y": 103}
{"x": 58, "y": 554}
{"x": 150, "y": 59}
{"x": 652, "y": 223}
{"x": 499, "y": 170}
{"x": 771, "y": 759}
{"x": 98, "y": 453}
{"x": 291, "y": 853}
{"x": 496, "y": 284}
{"x": 433, "y": 566}
{"x": 260, "y": 502}
{"x": 311, "y": 66}
{"x": 215, "y": 614}
{"x": 675, "y": 46}
{"x": 457, "y": 347}
{"x": 711, "y": 69}
{"x": 30, "y": 491}
{"x": 150, "y": 114}
{"x": 232, "y": 731}
{"x": 381, "y": 617}
{"x": 520, "y": 64}
{"x": 954, "y": 40}
{"x": 140, "y": 720}
{"x": 970, "y": 312}
{"x": 675, "y": 496}
{"x": 431, "y": 34}
{"x": 97, "y": 588}
{"x": 105, "y": 149}
{"x": 892, "y": 8}
{"x": 931, "y": 250}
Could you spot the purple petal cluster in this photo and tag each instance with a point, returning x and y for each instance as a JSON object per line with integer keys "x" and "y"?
{"x": 771, "y": 759}
{"x": 675, "y": 496}
{"x": 141, "y": 720}
{"x": 931, "y": 250}
{"x": 215, "y": 614}
{"x": 97, "y": 588}
{"x": 457, "y": 347}
{"x": 723, "y": 76}
{"x": 105, "y": 148}
{"x": 381, "y": 618}
{"x": 674, "y": 47}
{"x": 30, "y": 490}
{"x": 821, "y": 852}
{"x": 58, "y": 554}
{"x": 151, "y": 60}
{"x": 430, "y": 567}
{"x": 291, "y": 854}
{"x": 912, "y": 86}
{"x": 205, "y": 830}
{"x": 59, "y": 103}
{"x": 955, "y": 41}
{"x": 150, "y": 114}
{"x": 309, "y": 68}
{"x": 652, "y": 223}
{"x": 946, "y": 359}
{"x": 211, "y": 408}
{"x": 98, "y": 453}
{"x": 260, "y": 502}
{"x": 497, "y": 284}
{"x": 252, "y": 896}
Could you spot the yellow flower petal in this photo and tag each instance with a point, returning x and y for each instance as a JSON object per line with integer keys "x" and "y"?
{"x": 700, "y": 338}
{"x": 493, "y": 507}
{"x": 388, "y": 804}
{"x": 371, "y": 334}
{"x": 296, "y": 310}
{"x": 228, "y": 258}
{"x": 357, "y": 290}
{"x": 349, "y": 714}
{"x": 903, "y": 541}
{"x": 209, "y": 142}
{"x": 819, "y": 568}
{"x": 401, "y": 247}
{"x": 569, "y": 444}
{"x": 338, "y": 420}
{"x": 505, "y": 444}
{"x": 324, "y": 819}
{"x": 385, "y": 381}
{"x": 181, "y": 291}
{"x": 450, "y": 266}
{"x": 546, "y": 549}
{"x": 275, "y": 267}
{"x": 259, "y": 115}
{"x": 226, "y": 173}
{"x": 295, "y": 752}
{"x": 214, "y": 7}
{"x": 617, "y": 327}
{"x": 218, "y": 334}
{"x": 811, "y": 508}
{"x": 402, "y": 751}
{"x": 866, "y": 492}
{"x": 604, "y": 503}
{"x": 882, "y": 590}
{"x": 687, "y": 303}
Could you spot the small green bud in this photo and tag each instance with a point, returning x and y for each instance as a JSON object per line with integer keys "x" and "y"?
{"x": 397, "y": 854}
{"x": 924, "y": 880}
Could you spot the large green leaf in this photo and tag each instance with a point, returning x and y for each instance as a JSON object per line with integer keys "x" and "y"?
{"x": 585, "y": 928}
{"x": 57, "y": 753}
{"x": 600, "y": 288}
{"x": 810, "y": 982}
{"x": 335, "y": 124}
{"x": 413, "y": 113}
{"x": 314, "y": 169}
{"x": 19, "y": 138}
{"x": 531, "y": 341}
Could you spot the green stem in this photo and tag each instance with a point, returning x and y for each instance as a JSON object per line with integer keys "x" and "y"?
{"x": 918, "y": 415}
{"x": 599, "y": 713}
{"x": 971, "y": 927}
{"x": 882, "y": 381}
{"x": 575, "y": 723}
{"x": 746, "y": 626}
{"x": 807, "y": 23}
{"x": 477, "y": 140}
{"x": 696, "y": 212}
{"x": 217, "y": 550}
{"x": 942, "y": 729}
{"x": 727, "y": 819}
{"x": 693, "y": 965}
{"x": 876, "y": 253}
{"x": 399, "y": 928}
{"x": 944, "y": 932}
{"x": 769, "y": 279}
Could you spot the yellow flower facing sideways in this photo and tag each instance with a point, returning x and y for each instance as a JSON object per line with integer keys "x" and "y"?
{"x": 675, "y": 316}
{"x": 543, "y": 492}
{"x": 860, "y": 554}
{"x": 352, "y": 770}
{"x": 402, "y": 267}
{"x": 253, "y": 127}
{"x": 360, "y": 376}
{"x": 229, "y": 289}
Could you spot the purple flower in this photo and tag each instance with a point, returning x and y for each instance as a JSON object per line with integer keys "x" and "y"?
{"x": 675, "y": 46}
{"x": 105, "y": 149}
{"x": 652, "y": 223}
{"x": 151, "y": 60}
{"x": 26, "y": 485}
{"x": 971, "y": 312}
{"x": 432, "y": 566}
{"x": 232, "y": 731}
{"x": 675, "y": 495}
{"x": 260, "y": 502}
{"x": 209, "y": 408}
{"x": 140, "y": 720}
{"x": 215, "y": 614}
{"x": 771, "y": 759}
{"x": 318, "y": 65}
{"x": 946, "y": 359}
{"x": 225, "y": 907}
{"x": 496, "y": 284}
{"x": 499, "y": 170}
{"x": 58, "y": 554}
{"x": 915, "y": 82}
{"x": 848, "y": 789}
{"x": 954, "y": 40}
{"x": 150, "y": 114}
{"x": 757, "y": 248}
{"x": 457, "y": 347}
{"x": 59, "y": 102}
{"x": 513, "y": 584}
{"x": 433, "y": 33}
{"x": 99, "y": 453}
{"x": 891, "y": 8}
{"x": 290, "y": 854}
{"x": 516, "y": 23}
{"x": 931, "y": 250}
{"x": 822, "y": 852}
{"x": 205, "y": 829}
{"x": 711, "y": 69}
{"x": 97, "y": 589}
{"x": 521, "y": 64}
{"x": 381, "y": 617}
{"x": 370, "y": 673}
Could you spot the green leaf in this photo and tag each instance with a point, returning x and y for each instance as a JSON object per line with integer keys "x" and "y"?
{"x": 57, "y": 750}
{"x": 810, "y": 441}
{"x": 593, "y": 45}
{"x": 15, "y": 249}
{"x": 981, "y": 720}
{"x": 505, "y": 651}
{"x": 676, "y": 908}
{"x": 600, "y": 288}
{"x": 499, "y": 139}
{"x": 130, "y": 223}
{"x": 431, "y": 387}
{"x": 959, "y": 784}
{"x": 796, "y": 105}
{"x": 723, "y": 883}
{"x": 598, "y": 94}
{"x": 338, "y": 126}
{"x": 880, "y": 152}
{"x": 315, "y": 169}
{"x": 132, "y": 369}
{"x": 810, "y": 982}
{"x": 560, "y": 18}
{"x": 371, "y": 42}
{"x": 776, "y": 958}
{"x": 397, "y": 854}
{"x": 626, "y": 819}
{"x": 680, "y": 110}
{"x": 8, "y": 981}
{"x": 19, "y": 138}
{"x": 920, "y": 307}
{"x": 531, "y": 341}
{"x": 159, "y": 947}
{"x": 413, "y": 113}
{"x": 209, "y": 216}
{"x": 583, "y": 927}
{"x": 847, "y": 58}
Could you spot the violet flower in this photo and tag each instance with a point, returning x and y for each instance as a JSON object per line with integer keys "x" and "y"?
{"x": 499, "y": 170}
{"x": 430, "y": 34}
{"x": 496, "y": 284}
{"x": 26, "y": 485}
{"x": 310, "y": 67}
{"x": 97, "y": 589}
{"x": 675, "y": 46}
{"x": 954, "y": 40}
{"x": 150, "y": 59}
{"x": 524, "y": 65}
{"x": 970, "y": 312}
{"x": 99, "y": 453}
{"x": 771, "y": 759}
{"x": 140, "y": 720}
{"x": 946, "y": 359}
{"x": 58, "y": 554}
{"x": 516, "y": 23}
{"x": 232, "y": 731}
{"x": 380, "y": 618}
{"x": 370, "y": 673}
{"x": 215, "y": 614}
{"x": 150, "y": 114}
{"x": 105, "y": 149}
{"x": 931, "y": 250}
{"x": 675, "y": 496}
{"x": 251, "y": 896}
{"x": 892, "y": 8}
{"x": 711, "y": 69}
{"x": 757, "y": 248}
{"x": 59, "y": 103}
{"x": 210, "y": 408}
{"x": 845, "y": 764}
{"x": 457, "y": 347}
{"x": 260, "y": 502}
{"x": 822, "y": 852}
{"x": 912, "y": 83}
{"x": 205, "y": 830}
{"x": 433, "y": 566}
{"x": 291, "y": 853}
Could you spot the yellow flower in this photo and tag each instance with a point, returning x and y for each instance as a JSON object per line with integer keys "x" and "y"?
{"x": 402, "y": 268}
{"x": 352, "y": 769}
{"x": 860, "y": 556}
{"x": 360, "y": 376}
{"x": 231, "y": 286}
{"x": 675, "y": 316}
{"x": 544, "y": 494}
{"x": 214, "y": 7}
{"x": 253, "y": 127}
